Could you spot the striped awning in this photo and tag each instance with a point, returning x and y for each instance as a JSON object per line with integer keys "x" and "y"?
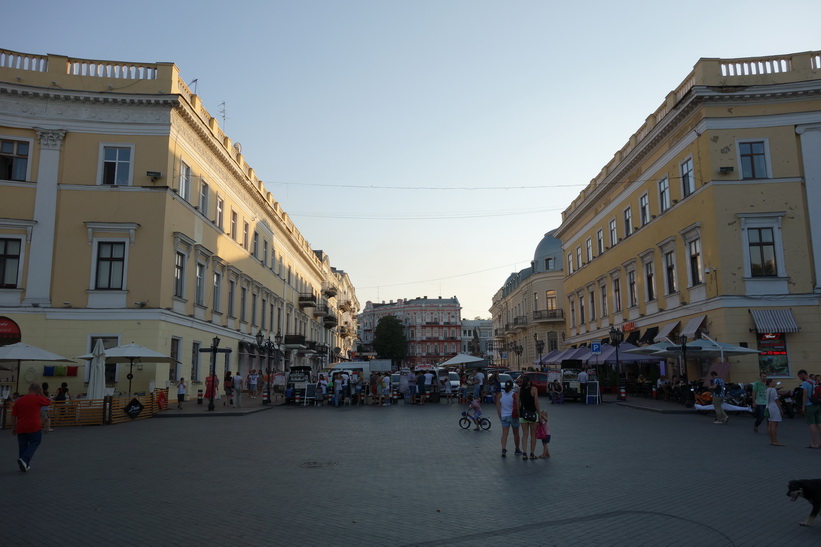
{"x": 665, "y": 331}
{"x": 775, "y": 320}
{"x": 693, "y": 325}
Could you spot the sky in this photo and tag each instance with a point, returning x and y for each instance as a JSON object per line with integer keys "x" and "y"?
{"x": 425, "y": 146}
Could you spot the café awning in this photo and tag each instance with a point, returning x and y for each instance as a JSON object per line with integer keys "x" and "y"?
{"x": 693, "y": 325}
{"x": 665, "y": 331}
{"x": 775, "y": 320}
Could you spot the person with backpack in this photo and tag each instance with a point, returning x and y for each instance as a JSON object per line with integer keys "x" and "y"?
{"x": 717, "y": 387}
{"x": 812, "y": 407}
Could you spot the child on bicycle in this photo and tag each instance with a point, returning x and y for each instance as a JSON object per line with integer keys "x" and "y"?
{"x": 474, "y": 411}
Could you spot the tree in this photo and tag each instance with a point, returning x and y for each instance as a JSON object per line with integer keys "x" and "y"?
{"x": 389, "y": 339}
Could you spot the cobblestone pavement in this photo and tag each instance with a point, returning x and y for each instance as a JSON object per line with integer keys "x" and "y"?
{"x": 408, "y": 475}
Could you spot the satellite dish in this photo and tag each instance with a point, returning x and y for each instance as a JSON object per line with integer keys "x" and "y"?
{"x": 238, "y": 147}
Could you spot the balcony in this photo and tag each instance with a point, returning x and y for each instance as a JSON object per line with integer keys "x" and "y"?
{"x": 294, "y": 341}
{"x": 321, "y": 310}
{"x": 509, "y": 329}
{"x": 345, "y": 331}
{"x": 329, "y": 289}
{"x": 307, "y": 300}
{"x": 346, "y": 305}
{"x": 520, "y": 322}
{"x": 543, "y": 316}
{"x": 330, "y": 321}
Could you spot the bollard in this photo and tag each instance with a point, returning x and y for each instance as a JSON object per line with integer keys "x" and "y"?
{"x": 296, "y": 399}
{"x": 199, "y": 396}
{"x": 655, "y": 393}
{"x": 265, "y": 398}
{"x": 622, "y": 394}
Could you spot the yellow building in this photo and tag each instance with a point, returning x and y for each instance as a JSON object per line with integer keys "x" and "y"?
{"x": 127, "y": 214}
{"x": 706, "y": 223}
{"x": 527, "y": 311}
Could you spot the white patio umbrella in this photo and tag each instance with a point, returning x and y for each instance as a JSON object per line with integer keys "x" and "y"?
{"x": 461, "y": 359}
{"x": 23, "y": 352}
{"x": 129, "y": 353}
{"x": 96, "y": 375}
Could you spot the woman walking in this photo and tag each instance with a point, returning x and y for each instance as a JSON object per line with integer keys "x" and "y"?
{"x": 774, "y": 410}
{"x": 528, "y": 415}
{"x": 507, "y": 407}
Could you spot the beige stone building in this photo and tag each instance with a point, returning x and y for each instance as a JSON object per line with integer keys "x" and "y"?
{"x": 528, "y": 312}
{"x": 127, "y": 214}
{"x": 707, "y": 222}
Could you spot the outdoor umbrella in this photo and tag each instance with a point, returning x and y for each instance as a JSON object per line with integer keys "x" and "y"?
{"x": 129, "y": 353}
{"x": 23, "y": 352}
{"x": 96, "y": 375}
{"x": 461, "y": 359}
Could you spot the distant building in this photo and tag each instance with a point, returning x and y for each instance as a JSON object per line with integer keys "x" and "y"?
{"x": 527, "y": 310}
{"x": 432, "y": 327}
{"x": 477, "y": 338}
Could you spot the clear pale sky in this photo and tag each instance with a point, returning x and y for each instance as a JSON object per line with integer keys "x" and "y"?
{"x": 425, "y": 146}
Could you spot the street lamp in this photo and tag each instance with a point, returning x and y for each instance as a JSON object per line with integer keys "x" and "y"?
{"x": 215, "y": 342}
{"x": 518, "y": 349}
{"x": 616, "y": 338}
{"x": 264, "y": 347}
{"x": 539, "y": 347}
{"x": 277, "y": 346}
{"x": 683, "y": 341}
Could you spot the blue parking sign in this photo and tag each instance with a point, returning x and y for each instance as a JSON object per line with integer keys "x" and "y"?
{"x": 595, "y": 348}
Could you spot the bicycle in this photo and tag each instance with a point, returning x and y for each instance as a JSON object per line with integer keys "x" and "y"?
{"x": 466, "y": 421}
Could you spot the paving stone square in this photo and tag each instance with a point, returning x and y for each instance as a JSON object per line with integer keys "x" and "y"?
{"x": 408, "y": 475}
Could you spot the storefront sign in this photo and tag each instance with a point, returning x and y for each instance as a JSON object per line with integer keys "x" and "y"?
{"x": 773, "y": 358}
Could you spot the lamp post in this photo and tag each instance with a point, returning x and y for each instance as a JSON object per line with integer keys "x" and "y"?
{"x": 616, "y": 338}
{"x": 277, "y": 345}
{"x": 264, "y": 347}
{"x": 539, "y": 348}
{"x": 683, "y": 341}
{"x": 215, "y": 342}
{"x": 518, "y": 349}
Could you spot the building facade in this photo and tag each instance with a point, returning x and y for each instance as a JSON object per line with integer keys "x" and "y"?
{"x": 128, "y": 215}
{"x": 706, "y": 223}
{"x": 432, "y": 327}
{"x": 528, "y": 313}
{"x": 477, "y": 338}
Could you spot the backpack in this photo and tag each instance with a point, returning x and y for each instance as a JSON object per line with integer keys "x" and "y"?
{"x": 720, "y": 388}
{"x": 814, "y": 396}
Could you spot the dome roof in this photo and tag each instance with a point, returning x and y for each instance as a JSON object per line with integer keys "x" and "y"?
{"x": 548, "y": 247}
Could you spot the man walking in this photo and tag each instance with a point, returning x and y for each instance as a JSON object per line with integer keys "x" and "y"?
{"x": 812, "y": 412}
{"x": 717, "y": 387}
{"x": 25, "y": 423}
{"x": 238, "y": 385}
{"x": 759, "y": 400}
{"x": 583, "y": 378}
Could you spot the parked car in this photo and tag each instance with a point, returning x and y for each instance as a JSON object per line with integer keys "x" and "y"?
{"x": 539, "y": 380}
{"x": 504, "y": 377}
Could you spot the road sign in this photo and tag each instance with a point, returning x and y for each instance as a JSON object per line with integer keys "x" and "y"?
{"x": 595, "y": 348}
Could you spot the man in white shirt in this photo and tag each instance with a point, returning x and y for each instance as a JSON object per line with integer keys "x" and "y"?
{"x": 479, "y": 382}
{"x": 238, "y": 384}
{"x": 583, "y": 385}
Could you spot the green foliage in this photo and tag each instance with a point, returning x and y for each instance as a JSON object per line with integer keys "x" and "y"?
{"x": 389, "y": 340}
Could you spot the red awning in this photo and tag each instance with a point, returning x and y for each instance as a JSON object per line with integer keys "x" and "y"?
{"x": 9, "y": 332}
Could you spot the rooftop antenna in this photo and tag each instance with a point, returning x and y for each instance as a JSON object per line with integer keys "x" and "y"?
{"x": 222, "y": 113}
{"x": 194, "y": 82}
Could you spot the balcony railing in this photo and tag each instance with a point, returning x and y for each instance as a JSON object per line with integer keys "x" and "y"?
{"x": 321, "y": 310}
{"x": 548, "y": 315}
{"x": 520, "y": 322}
{"x": 329, "y": 289}
{"x": 294, "y": 340}
{"x": 330, "y": 321}
{"x": 307, "y": 299}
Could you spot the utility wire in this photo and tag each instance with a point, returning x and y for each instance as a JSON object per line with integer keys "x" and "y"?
{"x": 442, "y": 278}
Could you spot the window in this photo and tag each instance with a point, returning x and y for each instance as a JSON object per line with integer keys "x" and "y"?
{"x": 753, "y": 160}
{"x": 581, "y": 309}
{"x": 579, "y": 262}
{"x": 616, "y": 295}
{"x": 253, "y": 308}
{"x": 589, "y": 246}
{"x": 572, "y": 313}
{"x": 204, "y": 198}
{"x": 649, "y": 278}
{"x": 632, "y": 295}
{"x": 694, "y": 248}
{"x": 688, "y": 183}
{"x": 9, "y": 262}
{"x": 592, "y": 304}
{"x": 217, "y": 291}
{"x": 14, "y": 158}
{"x": 614, "y": 236}
{"x": 265, "y": 252}
{"x": 603, "y": 300}
{"x": 173, "y": 369}
{"x": 550, "y": 300}
{"x": 199, "y": 292}
{"x": 195, "y": 362}
{"x": 220, "y": 217}
{"x": 245, "y": 229}
{"x": 185, "y": 181}
{"x": 762, "y": 252}
{"x": 255, "y": 248}
{"x": 243, "y": 303}
{"x": 232, "y": 291}
{"x": 110, "y": 265}
{"x": 670, "y": 272}
{"x": 234, "y": 233}
{"x": 179, "y": 275}
{"x": 628, "y": 222}
{"x": 548, "y": 264}
{"x": 570, "y": 263}
{"x": 599, "y": 241}
{"x": 664, "y": 194}
{"x": 116, "y": 165}
{"x": 644, "y": 209}
{"x": 263, "y": 307}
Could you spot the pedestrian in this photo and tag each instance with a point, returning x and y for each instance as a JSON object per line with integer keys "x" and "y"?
{"x": 238, "y": 384}
{"x": 760, "y": 403}
{"x": 812, "y": 412}
{"x": 429, "y": 384}
{"x": 228, "y": 387}
{"x": 386, "y": 389}
{"x": 543, "y": 434}
{"x": 253, "y": 381}
{"x": 463, "y": 388}
{"x": 556, "y": 392}
{"x": 211, "y": 386}
{"x": 475, "y": 412}
{"x": 507, "y": 407}
{"x": 583, "y": 378}
{"x": 62, "y": 393}
{"x": 773, "y": 412}
{"x": 412, "y": 389}
{"x": 447, "y": 388}
{"x": 337, "y": 389}
{"x": 478, "y": 384}
{"x": 420, "y": 386}
{"x": 717, "y": 387}
{"x": 181, "y": 387}
{"x": 528, "y": 415}
{"x": 25, "y": 423}
{"x": 45, "y": 412}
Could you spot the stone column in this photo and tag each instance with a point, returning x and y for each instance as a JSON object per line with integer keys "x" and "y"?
{"x": 41, "y": 252}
